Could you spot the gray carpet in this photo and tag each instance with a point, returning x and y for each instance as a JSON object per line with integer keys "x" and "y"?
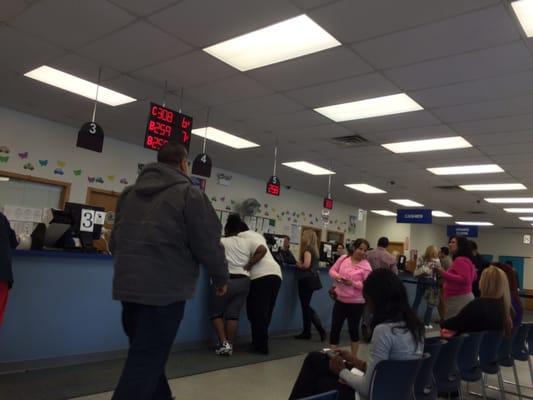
{"x": 82, "y": 380}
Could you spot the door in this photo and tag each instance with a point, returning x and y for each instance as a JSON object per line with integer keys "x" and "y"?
{"x": 518, "y": 265}
{"x": 102, "y": 198}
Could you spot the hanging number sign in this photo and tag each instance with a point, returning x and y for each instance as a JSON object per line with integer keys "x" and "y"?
{"x": 202, "y": 165}
{"x": 328, "y": 203}
{"x": 273, "y": 186}
{"x": 91, "y": 137}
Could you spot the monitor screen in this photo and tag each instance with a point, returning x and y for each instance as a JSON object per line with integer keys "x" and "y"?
{"x": 326, "y": 251}
{"x": 274, "y": 241}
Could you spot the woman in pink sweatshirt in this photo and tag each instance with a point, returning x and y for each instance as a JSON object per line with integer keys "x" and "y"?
{"x": 459, "y": 277}
{"x": 349, "y": 273}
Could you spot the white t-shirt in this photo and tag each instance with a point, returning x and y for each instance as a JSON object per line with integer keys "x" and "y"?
{"x": 237, "y": 254}
{"x": 267, "y": 265}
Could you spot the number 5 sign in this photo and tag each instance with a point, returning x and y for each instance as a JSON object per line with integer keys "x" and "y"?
{"x": 87, "y": 220}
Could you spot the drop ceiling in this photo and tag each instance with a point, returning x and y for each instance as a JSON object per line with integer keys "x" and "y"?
{"x": 467, "y": 63}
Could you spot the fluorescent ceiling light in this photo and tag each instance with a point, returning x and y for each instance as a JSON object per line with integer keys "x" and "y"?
{"x": 4, "y": 179}
{"x": 415, "y": 146}
{"x": 467, "y": 169}
{"x": 385, "y": 213}
{"x": 363, "y": 187}
{"x": 519, "y": 210}
{"x": 376, "y": 107}
{"x": 440, "y": 214}
{"x": 493, "y": 187}
{"x": 227, "y": 139}
{"x": 283, "y": 41}
{"x": 476, "y": 223}
{"x": 406, "y": 202}
{"x": 308, "y": 168}
{"x": 524, "y": 12}
{"x": 73, "y": 84}
{"x": 510, "y": 200}
{"x": 525, "y": 218}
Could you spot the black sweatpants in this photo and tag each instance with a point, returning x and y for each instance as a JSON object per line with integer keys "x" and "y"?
{"x": 151, "y": 331}
{"x": 308, "y": 314}
{"x": 315, "y": 377}
{"x": 342, "y": 311}
{"x": 259, "y": 307}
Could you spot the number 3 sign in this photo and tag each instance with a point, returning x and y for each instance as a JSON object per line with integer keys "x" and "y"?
{"x": 87, "y": 220}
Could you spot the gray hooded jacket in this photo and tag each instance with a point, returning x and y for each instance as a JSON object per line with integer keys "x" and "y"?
{"x": 164, "y": 227}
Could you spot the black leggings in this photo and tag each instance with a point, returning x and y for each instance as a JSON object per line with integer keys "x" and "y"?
{"x": 308, "y": 314}
{"x": 342, "y": 311}
{"x": 315, "y": 378}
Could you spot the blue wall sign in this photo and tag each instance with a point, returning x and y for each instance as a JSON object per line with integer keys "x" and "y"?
{"x": 413, "y": 216}
{"x": 462, "y": 230}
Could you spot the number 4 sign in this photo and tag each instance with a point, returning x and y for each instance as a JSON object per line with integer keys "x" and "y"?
{"x": 202, "y": 165}
{"x": 87, "y": 220}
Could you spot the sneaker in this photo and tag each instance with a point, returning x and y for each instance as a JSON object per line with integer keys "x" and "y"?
{"x": 224, "y": 349}
{"x": 428, "y": 326}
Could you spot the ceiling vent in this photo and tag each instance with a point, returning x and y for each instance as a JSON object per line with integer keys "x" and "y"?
{"x": 449, "y": 187}
{"x": 477, "y": 212}
{"x": 352, "y": 140}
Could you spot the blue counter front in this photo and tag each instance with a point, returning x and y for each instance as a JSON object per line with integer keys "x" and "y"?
{"x": 61, "y": 306}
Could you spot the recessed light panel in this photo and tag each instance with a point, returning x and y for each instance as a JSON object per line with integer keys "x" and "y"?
{"x": 467, "y": 169}
{"x": 308, "y": 168}
{"x": 493, "y": 187}
{"x": 524, "y": 12}
{"x": 525, "y": 218}
{"x": 416, "y": 146}
{"x": 474, "y": 223}
{"x": 227, "y": 139}
{"x": 283, "y": 41}
{"x": 376, "y": 107}
{"x": 73, "y": 84}
{"x": 406, "y": 202}
{"x": 510, "y": 200}
{"x": 385, "y": 213}
{"x": 363, "y": 187}
{"x": 518, "y": 210}
{"x": 440, "y": 214}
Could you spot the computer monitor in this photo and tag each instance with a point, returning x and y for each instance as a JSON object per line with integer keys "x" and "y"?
{"x": 326, "y": 251}
{"x": 75, "y": 211}
{"x": 274, "y": 241}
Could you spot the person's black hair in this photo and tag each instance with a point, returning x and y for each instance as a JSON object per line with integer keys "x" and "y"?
{"x": 444, "y": 250}
{"x": 233, "y": 225}
{"x": 171, "y": 153}
{"x": 359, "y": 242}
{"x": 244, "y": 227}
{"x": 387, "y": 293}
{"x": 473, "y": 245}
{"x": 464, "y": 248}
{"x": 383, "y": 242}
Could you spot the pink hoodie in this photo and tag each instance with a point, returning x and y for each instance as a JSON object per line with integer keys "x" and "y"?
{"x": 459, "y": 277}
{"x": 357, "y": 273}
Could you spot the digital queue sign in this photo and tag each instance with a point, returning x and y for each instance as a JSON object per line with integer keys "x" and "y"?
{"x": 328, "y": 203}
{"x": 273, "y": 186}
{"x": 165, "y": 124}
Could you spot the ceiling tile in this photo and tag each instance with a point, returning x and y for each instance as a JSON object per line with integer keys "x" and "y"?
{"x": 189, "y": 70}
{"x": 345, "y": 90}
{"x": 509, "y": 58}
{"x": 390, "y": 122}
{"x": 310, "y": 4}
{"x": 501, "y": 138}
{"x": 503, "y": 149}
{"x": 350, "y": 21}
{"x": 493, "y": 26}
{"x": 22, "y": 52}
{"x": 82, "y": 67}
{"x": 143, "y": 7}
{"x": 416, "y": 133}
{"x": 267, "y": 105}
{"x": 135, "y": 88}
{"x": 71, "y": 23}
{"x": 205, "y": 22}
{"x": 133, "y": 47}
{"x": 514, "y": 123}
{"x": 12, "y": 8}
{"x": 339, "y": 62}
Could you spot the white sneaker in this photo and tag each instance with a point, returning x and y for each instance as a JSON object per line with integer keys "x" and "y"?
{"x": 224, "y": 349}
{"x": 428, "y": 326}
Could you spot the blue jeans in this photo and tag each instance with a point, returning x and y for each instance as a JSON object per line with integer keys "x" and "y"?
{"x": 421, "y": 286}
{"x": 151, "y": 331}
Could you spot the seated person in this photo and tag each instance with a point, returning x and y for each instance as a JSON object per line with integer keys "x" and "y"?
{"x": 396, "y": 334}
{"x": 285, "y": 253}
{"x": 516, "y": 303}
{"x": 490, "y": 312}
{"x": 339, "y": 252}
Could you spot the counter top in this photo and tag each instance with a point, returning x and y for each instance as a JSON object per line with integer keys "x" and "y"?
{"x": 61, "y": 254}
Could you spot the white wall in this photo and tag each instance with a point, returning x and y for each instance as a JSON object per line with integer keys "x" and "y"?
{"x": 55, "y": 143}
{"x": 378, "y": 226}
{"x": 423, "y": 236}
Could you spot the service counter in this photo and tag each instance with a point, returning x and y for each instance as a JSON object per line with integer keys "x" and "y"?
{"x": 60, "y": 310}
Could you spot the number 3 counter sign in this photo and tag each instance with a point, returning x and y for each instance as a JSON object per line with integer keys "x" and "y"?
{"x": 165, "y": 124}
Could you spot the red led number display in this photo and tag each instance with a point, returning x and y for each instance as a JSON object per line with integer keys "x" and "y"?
{"x": 165, "y": 124}
{"x": 273, "y": 186}
{"x": 328, "y": 203}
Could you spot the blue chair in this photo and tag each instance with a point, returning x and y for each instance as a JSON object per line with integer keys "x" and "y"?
{"x": 488, "y": 357}
{"x": 468, "y": 360}
{"x": 505, "y": 358}
{"x": 331, "y": 395}
{"x": 445, "y": 370}
{"x": 394, "y": 379}
{"x": 425, "y": 387}
{"x": 529, "y": 342}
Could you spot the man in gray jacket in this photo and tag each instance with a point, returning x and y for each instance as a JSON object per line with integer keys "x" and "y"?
{"x": 164, "y": 228}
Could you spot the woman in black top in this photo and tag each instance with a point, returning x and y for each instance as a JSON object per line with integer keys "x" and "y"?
{"x": 308, "y": 282}
{"x": 490, "y": 312}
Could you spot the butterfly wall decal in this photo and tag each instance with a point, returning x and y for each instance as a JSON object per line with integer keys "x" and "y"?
{"x": 61, "y": 164}
{"x": 43, "y": 163}
{"x": 24, "y": 155}
{"x": 4, "y": 159}
{"x": 91, "y": 179}
{"x": 77, "y": 172}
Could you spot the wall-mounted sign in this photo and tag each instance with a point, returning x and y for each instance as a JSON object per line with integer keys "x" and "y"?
{"x": 414, "y": 216}
{"x": 328, "y": 203}
{"x": 199, "y": 182}
{"x": 165, "y": 124}
{"x": 202, "y": 165}
{"x": 91, "y": 137}
{"x": 526, "y": 239}
{"x": 273, "y": 186}
{"x": 462, "y": 230}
